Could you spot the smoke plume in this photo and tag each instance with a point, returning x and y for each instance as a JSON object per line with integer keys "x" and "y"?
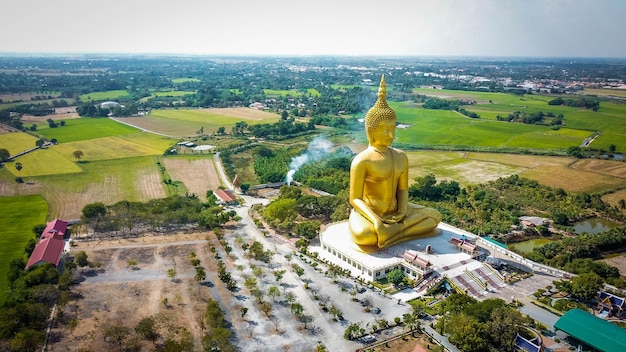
{"x": 318, "y": 148}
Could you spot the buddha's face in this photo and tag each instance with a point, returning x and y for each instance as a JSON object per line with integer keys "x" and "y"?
{"x": 382, "y": 136}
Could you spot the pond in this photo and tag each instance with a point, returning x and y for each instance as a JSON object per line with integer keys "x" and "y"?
{"x": 528, "y": 245}
{"x": 594, "y": 226}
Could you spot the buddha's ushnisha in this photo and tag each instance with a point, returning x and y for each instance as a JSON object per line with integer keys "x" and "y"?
{"x": 382, "y": 215}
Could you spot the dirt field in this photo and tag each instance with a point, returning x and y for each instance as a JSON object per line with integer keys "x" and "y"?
{"x": 66, "y": 113}
{"x": 198, "y": 175}
{"x": 119, "y": 295}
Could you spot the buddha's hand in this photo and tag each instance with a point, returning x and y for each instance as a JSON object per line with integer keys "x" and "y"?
{"x": 393, "y": 218}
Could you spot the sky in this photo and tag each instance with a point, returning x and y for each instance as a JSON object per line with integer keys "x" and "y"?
{"x": 479, "y": 28}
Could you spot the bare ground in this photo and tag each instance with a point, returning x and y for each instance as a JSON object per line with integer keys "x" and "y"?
{"x": 120, "y": 295}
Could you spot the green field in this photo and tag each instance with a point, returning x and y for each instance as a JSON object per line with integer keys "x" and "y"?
{"x": 173, "y": 93}
{"x": 85, "y": 128}
{"x": 184, "y": 80}
{"x": 187, "y": 121}
{"x": 108, "y": 95}
{"x": 97, "y": 138}
{"x": 610, "y": 120}
{"x": 43, "y": 162}
{"x": 19, "y": 215}
{"x": 448, "y": 128}
{"x": 291, "y": 92}
{"x": 117, "y": 147}
{"x": 16, "y": 142}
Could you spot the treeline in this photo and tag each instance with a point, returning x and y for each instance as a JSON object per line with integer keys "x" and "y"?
{"x": 534, "y": 118}
{"x": 577, "y": 103}
{"x": 454, "y": 105}
{"x": 332, "y": 174}
{"x": 158, "y": 215}
{"x": 91, "y": 109}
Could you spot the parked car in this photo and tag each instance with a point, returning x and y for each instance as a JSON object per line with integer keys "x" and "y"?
{"x": 376, "y": 310}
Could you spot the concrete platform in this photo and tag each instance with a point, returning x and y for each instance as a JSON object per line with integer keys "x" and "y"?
{"x": 446, "y": 259}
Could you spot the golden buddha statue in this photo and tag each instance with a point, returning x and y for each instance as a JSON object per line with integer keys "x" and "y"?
{"x": 379, "y": 187}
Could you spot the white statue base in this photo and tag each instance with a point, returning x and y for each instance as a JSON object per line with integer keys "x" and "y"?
{"x": 447, "y": 253}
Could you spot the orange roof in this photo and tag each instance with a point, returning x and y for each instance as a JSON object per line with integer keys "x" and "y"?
{"x": 225, "y": 195}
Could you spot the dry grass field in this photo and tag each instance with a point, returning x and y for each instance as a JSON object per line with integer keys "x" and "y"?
{"x": 198, "y": 175}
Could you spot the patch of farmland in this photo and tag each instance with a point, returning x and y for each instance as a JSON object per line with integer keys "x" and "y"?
{"x": 615, "y": 197}
{"x": 17, "y": 142}
{"x": 44, "y": 162}
{"x": 243, "y": 113}
{"x": 149, "y": 185}
{"x": 573, "y": 180}
{"x": 117, "y": 147}
{"x": 198, "y": 175}
{"x": 605, "y": 167}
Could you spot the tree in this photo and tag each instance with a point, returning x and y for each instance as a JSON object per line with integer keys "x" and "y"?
{"x": 4, "y": 155}
{"x": 18, "y": 167}
{"x": 395, "y": 277}
{"x": 278, "y": 275}
{"x": 147, "y": 329}
{"x": 78, "y": 154}
{"x": 200, "y": 274}
{"x": 586, "y": 286}
{"x": 171, "y": 273}
{"x": 81, "y": 259}
{"x": 353, "y": 331}
{"x": 266, "y": 308}
{"x": 243, "y": 311}
{"x": 115, "y": 335}
{"x": 334, "y": 311}
{"x": 297, "y": 309}
{"x": 39, "y": 143}
{"x": 244, "y": 188}
{"x": 273, "y": 291}
{"x": 28, "y": 340}
{"x": 94, "y": 211}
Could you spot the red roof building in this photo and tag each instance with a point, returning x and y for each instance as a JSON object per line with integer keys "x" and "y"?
{"x": 225, "y": 196}
{"x": 48, "y": 250}
{"x": 50, "y": 246}
{"x": 55, "y": 228}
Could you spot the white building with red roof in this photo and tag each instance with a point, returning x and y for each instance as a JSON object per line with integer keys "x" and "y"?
{"x": 51, "y": 246}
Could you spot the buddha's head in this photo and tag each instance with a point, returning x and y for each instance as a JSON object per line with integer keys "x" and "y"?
{"x": 379, "y": 112}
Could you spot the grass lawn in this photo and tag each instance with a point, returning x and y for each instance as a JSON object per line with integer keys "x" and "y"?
{"x": 19, "y": 215}
{"x": 108, "y": 95}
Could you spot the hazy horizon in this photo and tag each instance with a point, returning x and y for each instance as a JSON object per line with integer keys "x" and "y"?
{"x": 395, "y": 28}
